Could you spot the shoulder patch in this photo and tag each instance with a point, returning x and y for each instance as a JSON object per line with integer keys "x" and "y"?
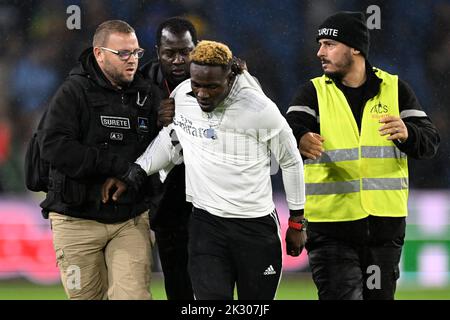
{"x": 143, "y": 124}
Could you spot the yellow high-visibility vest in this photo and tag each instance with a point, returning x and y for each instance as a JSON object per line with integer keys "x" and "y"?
{"x": 359, "y": 174}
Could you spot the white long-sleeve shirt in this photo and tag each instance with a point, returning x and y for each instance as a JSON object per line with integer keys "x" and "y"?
{"x": 227, "y": 152}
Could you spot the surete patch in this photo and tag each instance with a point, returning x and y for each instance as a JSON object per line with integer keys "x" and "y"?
{"x": 115, "y": 122}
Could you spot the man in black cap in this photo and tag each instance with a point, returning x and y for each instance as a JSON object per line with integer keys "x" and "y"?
{"x": 356, "y": 170}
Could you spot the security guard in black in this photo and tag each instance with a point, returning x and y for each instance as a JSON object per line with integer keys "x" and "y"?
{"x": 94, "y": 130}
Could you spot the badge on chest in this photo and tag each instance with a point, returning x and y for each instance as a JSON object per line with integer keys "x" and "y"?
{"x": 211, "y": 133}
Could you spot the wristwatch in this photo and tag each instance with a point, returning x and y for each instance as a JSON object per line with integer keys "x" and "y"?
{"x": 300, "y": 226}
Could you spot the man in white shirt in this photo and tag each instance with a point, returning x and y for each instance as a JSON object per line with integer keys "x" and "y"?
{"x": 228, "y": 129}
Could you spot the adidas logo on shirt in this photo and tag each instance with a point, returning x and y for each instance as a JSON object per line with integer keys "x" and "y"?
{"x": 269, "y": 271}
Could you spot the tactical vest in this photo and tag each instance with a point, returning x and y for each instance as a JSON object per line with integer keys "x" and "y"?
{"x": 359, "y": 174}
{"x": 118, "y": 123}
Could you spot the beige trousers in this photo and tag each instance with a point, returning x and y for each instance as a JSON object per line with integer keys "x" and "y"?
{"x": 103, "y": 261}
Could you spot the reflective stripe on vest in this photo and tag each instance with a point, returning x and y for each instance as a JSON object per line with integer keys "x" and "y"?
{"x": 385, "y": 184}
{"x": 354, "y": 186}
{"x": 336, "y": 156}
{"x": 332, "y": 187}
{"x": 360, "y": 173}
{"x": 352, "y": 154}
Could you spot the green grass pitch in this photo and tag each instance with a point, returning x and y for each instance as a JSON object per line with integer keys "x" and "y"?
{"x": 292, "y": 287}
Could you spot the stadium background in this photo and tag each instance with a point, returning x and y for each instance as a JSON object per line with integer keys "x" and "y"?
{"x": 276, "y": 38}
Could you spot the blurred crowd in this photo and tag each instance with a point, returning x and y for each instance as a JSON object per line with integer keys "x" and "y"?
{"x": 276, "y": 38}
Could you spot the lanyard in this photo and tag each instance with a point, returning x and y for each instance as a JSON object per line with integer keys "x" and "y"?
{"x": 167, "y": 87}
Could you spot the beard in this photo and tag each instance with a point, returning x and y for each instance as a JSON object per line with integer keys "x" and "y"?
{"x": 118, "y": 78}
{"x": 341, "y": 67}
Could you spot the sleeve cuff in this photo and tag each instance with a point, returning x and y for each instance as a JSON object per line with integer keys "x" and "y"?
{"x": 296, "y": 213}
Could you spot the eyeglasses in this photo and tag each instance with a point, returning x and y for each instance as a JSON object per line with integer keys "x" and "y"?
{"x": 124, "y": 55}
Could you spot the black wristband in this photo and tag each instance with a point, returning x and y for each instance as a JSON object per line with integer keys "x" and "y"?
{"x": 296, "y": 213}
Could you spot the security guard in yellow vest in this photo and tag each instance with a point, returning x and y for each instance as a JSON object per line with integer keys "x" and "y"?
{"x": 355, "y": 127}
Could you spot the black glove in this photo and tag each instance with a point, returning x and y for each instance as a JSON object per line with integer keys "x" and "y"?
{"x": 134, "y": 177}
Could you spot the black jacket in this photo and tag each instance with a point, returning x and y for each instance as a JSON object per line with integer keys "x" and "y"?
{"x": 422, "y": 143}
{"x": 93, "y": 131}
{"x": 173, "y": 211}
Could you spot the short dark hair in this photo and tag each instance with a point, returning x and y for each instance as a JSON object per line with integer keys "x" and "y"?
{"x": 106, "y": 28}
{"x": 178, "y": 26}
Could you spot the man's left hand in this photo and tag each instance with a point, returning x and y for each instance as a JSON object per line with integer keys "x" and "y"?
{"x": 394, "y": 127}
{"x": 135, "y": 176}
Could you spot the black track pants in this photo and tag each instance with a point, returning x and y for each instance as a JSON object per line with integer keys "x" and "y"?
{"x": 224, "y": 252}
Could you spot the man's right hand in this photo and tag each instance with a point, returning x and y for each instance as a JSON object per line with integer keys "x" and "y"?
{"x": 310, "y": 145}
{"x": 112, "y": 184}
{"x": 166, "y": 112}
